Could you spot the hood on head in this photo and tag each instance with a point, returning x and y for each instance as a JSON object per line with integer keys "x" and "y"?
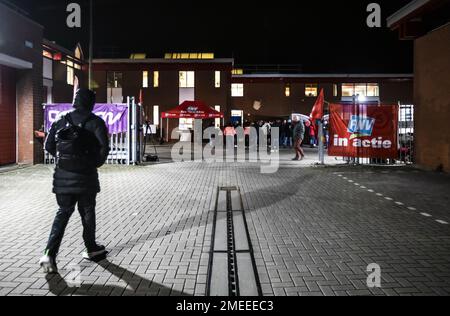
{"x": 84, "y": 100}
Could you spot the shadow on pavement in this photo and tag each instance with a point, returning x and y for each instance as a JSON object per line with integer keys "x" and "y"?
{"x": 136, "y": 285}
{"x": 274, "y": 195}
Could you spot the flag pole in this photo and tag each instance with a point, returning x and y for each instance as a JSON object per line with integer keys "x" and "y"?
{"x": 321, "y": 145}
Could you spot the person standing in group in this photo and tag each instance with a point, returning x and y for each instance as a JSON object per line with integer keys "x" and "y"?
{"x": 288, "y": 134}
{"x": 312, "y": 135}
{"x": 283, "y": 133}
{"x": 79, "y": 141}
{"x": 298, "y": 136}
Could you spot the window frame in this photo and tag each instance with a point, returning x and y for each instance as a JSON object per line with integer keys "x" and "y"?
{"x": 218, "y": 79}
{"x": 237, "y": 87}
{"x": 189, "y": 81}
{"x": 70, "y": 75}
{"x": 145, "y": 79}
{"x": 156, "y": 79}
{"x": 312, "y": 85}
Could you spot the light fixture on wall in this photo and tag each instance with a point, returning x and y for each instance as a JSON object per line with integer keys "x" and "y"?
{"x": 257, "y": 105}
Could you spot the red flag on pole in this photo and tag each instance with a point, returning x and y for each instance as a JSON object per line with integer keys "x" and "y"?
{"x": 317, "y": 111}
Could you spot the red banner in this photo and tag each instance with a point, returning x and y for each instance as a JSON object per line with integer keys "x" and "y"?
{"x": 363, "y": 131}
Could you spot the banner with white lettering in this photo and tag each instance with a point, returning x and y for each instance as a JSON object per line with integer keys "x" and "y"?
{"x": 114, "y": 115}
{"x": 363, "y": 131}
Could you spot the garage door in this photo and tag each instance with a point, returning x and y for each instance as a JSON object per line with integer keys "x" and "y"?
{"x": 7, "y": 116}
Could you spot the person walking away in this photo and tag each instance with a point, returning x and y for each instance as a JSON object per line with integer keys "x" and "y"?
{"x": 298, "y": 136}
{"x": 79, "y": 142}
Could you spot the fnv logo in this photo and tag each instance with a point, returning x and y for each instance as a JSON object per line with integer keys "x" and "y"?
{"x": 360, "y": 126}
{"x": 192, "y": 109}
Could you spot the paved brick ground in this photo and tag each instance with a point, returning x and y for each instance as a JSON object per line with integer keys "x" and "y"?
{"x": 314, "y": 231}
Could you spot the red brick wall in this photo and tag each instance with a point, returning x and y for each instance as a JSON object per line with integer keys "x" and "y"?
{"x": 16, "y": 31}
{"x": 271, "y": 92}
{"x": 432, "y": 99}
{"x": 206, "y": 91}
{"x": 7, "y": 116}
{"x": 166, "y": 96}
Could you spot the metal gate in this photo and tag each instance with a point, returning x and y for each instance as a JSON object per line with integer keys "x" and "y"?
{"x": 406, "y": 134}
{"x": 126, "y": 147}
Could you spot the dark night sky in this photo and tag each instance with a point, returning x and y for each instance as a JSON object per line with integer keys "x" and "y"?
{"x": 323, "y": 36}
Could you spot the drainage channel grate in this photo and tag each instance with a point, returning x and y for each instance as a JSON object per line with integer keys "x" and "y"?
{"x": 232, "y": 266}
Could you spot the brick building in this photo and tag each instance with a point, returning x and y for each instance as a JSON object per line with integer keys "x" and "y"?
{"x": 21, "y": 87}
{"x": 427, "y": 22}
{"x": 62, "y": 71}
{"x": 32, "y": 71}
{"x": 166, "y": 83}
{"x": 260, "y": 96}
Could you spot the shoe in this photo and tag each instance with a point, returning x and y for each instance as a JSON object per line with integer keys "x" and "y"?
{"x": 48, "y": 264}
{"x": 296, "y": 159}
{"x": 98, "y": 253}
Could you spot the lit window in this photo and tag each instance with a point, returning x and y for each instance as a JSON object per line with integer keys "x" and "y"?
{"x": 78, "y": 53}
{"x": 287, "y": 90}
{"x": 156, "y": 79}
{"x": 373, "y": 90}
{"x": 217, "y": 122}
{"x": 77, "y": 66}
{"x": 138, "y": 56}
{"x": 189, "y": 56}
{"x": 207, "y": 56}
{"x": 311, "y": 90}
{"x": 217, "y": 79}
{"x": 145, "y": 79}
{"x": 406, "y": 113}
{"x": 361, "y": 89}
{"x": 237, "y": 72}
{"x": 187, "y": 79}
{"x": 335, "y": 90}
{"x": 47, "y": 54}
{"x": 156, "y": 115}
{"x": 70, "y": 75}
{"x": 237, "y": 90}
{"x": 348, "y": 89}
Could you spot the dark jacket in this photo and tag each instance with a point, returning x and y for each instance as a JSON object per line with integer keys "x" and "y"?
{"x": 65, "y": 182}
{"x": 299, "y": 131}
{"x": 288, "y": 130}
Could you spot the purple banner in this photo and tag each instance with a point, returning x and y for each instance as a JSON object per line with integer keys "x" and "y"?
{"x": 115, "y": 116}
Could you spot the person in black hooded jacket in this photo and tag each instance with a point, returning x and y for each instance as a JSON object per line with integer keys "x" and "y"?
{"x": 81, "y": 187}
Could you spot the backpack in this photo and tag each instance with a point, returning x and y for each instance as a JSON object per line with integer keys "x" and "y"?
{"x": 73, "y": 147}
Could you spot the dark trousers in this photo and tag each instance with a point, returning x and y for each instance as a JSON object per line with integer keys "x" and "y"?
{"x": 86, "y": 207}
{"x": 299, "y": 153}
